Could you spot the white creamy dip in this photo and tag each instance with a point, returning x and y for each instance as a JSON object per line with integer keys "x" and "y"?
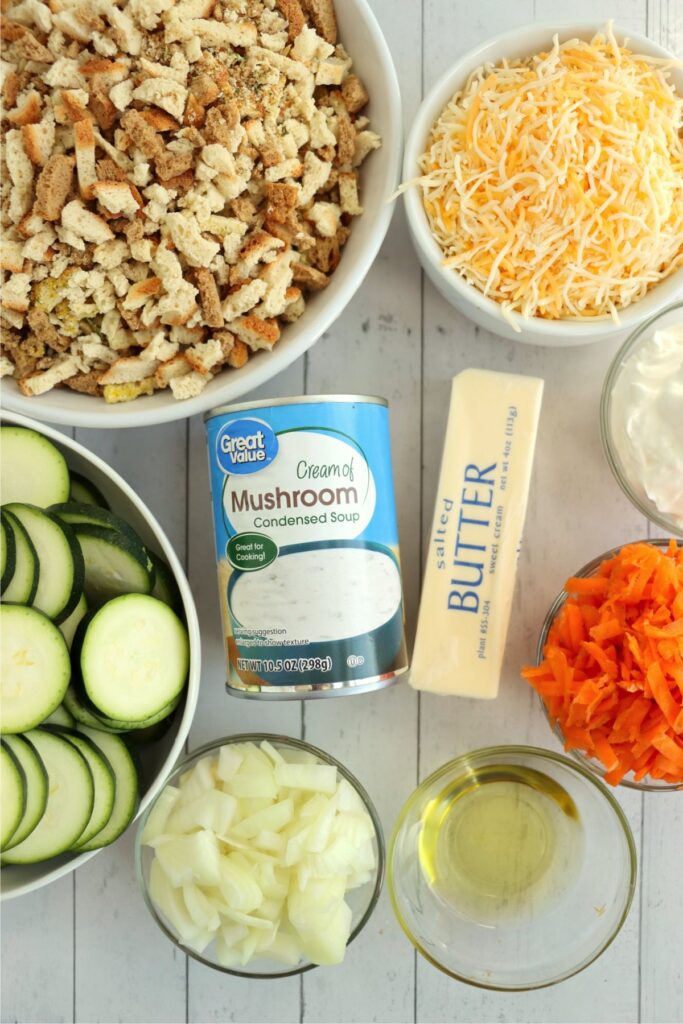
{"x": 319, "y": 595}
{"x": 647, "y": 421}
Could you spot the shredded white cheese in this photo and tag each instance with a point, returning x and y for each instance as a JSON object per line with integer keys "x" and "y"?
{"x": 555, "y": 184}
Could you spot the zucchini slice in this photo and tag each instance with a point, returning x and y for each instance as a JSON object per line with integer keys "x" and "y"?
{"x": 60, "y": 716}
{"x": 8, "y": 551}
{"x": 70, "y": 798}
{"x": 134, "y": 659}
{"x": 165, "y": 587}
{"x": 70, "y": 625}
{"x": 167, "y": 710}
{"x": 83, "y": 715}
{"x": 116, "y": 725}
{"x": 103, "y": 780}
{"x": 127, "y": 794}
{"x": 36, "y": 786}
{"x": 89, "y": 713}
{"x": 85, "y": 492}
{"x": 61, "y": 569}
{"x": 21, "y": 589}
{"x": 33, "y": 470}
{"x": 76, "y": 513}
{"x": 36, "y": 667}
{"x": 114, "y": 564}
{"x": 12, "y": 794}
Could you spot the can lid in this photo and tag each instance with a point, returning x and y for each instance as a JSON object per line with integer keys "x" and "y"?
{"x": 297, "y": 400}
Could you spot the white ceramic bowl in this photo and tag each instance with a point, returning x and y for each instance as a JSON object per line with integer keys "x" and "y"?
{"x": 159, "y": 757}
{"x": 520, "y": 42}
{"x": 362, "y": 37}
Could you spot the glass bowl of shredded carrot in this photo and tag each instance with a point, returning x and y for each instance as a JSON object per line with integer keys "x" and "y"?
{"x": 549, "y": 174}
{"x": 609, "y": 666}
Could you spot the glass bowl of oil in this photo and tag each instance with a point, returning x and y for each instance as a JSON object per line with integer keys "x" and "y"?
{"x": 511, "y": 868}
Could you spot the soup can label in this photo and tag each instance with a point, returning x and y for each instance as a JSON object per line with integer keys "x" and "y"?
{"x": 309, "y": 571}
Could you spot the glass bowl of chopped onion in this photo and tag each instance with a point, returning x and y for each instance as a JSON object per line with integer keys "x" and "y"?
{"x": 624, "y": 735}
{"x": 262, "y": 857}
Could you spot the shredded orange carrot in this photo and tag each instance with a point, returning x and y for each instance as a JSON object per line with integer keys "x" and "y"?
{"x": 612, "y": 670}
{"x": 593, "y": 585}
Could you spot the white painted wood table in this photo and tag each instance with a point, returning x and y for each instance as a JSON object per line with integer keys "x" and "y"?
{"x": 85, "y": 948}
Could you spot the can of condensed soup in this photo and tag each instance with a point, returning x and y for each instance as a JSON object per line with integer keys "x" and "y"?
{"x": 309, "y": 574}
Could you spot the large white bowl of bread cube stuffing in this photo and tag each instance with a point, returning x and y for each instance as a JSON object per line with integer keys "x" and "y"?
{"x": 100, "y": 649}
{"x": 215, "y": 193}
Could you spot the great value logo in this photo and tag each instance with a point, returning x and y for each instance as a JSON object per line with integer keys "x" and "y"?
{"x": 246, "y": 446}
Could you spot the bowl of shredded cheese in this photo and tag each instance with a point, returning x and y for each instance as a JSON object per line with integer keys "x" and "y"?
{"x": 543, "y": 181}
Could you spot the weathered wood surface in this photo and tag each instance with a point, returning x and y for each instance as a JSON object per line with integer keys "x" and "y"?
{"x": 85, "y": 949}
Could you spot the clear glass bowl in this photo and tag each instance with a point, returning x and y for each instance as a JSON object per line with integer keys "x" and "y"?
{"x": 646, "y": 785}
{"x": 561, "y": 924}
{"x": 361, "y": 900}
{"x": 608, "y": 413}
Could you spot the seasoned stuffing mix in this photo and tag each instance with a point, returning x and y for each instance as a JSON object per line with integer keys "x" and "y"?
{"x": 176, "y": 175}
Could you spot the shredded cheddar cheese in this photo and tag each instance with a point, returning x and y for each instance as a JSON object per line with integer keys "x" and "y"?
{"x": 555, "y": 184}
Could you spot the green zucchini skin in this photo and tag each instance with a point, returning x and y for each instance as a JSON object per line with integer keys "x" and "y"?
{"x": 14, "y": 787}
{"x": 61, "y": 569}
{"x": 85, "y": 492}
{"x": 21, "y": 589}
{"x": 165, "y": 587}
{"x": 101, "y": 546}
{"x": 69, "y": 805}
{"x": 36, "y": 785}
{"x": 77, "y": 513}
{"x": 126, "y": 770}
{"x": 9, "y": 551}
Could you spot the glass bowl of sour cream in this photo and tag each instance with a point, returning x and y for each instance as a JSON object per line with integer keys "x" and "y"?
{"x": 641, "y": 418}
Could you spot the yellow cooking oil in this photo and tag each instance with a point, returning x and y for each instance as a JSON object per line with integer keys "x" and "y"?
{"x": 501, "y": 844}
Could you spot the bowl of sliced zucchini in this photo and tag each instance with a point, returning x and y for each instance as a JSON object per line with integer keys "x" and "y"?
{"x": 99, "y": 650}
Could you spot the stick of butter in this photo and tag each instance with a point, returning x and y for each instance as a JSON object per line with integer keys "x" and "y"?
{"x": 478, "y": 520}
